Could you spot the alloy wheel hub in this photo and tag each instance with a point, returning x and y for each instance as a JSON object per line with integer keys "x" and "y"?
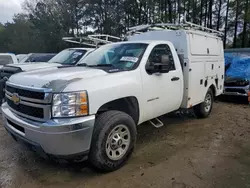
{"x": 118, "y": 142}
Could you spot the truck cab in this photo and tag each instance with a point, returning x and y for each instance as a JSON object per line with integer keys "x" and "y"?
{"x": 91, "y": 111}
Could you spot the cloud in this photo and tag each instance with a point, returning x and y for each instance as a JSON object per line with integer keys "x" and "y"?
{"x": 8, "y": 8}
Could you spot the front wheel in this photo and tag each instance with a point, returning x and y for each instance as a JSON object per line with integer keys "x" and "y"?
{"x": 204, "y": 109}
{"x": 113, "y": 140}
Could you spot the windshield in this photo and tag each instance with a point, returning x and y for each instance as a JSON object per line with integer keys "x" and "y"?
{"x": 125, "y": 56}
{"x": 40, "y": 57}
{"x": 68, "y": 56}
{"x": 5, "y": 59}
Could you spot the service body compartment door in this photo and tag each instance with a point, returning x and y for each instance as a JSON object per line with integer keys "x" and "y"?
{"x": 204, "y": 67}
{"x": 201, "y": 45}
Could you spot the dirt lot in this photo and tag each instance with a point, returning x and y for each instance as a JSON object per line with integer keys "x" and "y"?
{"x": 185, "y": 153}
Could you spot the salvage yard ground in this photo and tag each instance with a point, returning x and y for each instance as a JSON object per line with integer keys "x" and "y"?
{"x": 185, "y": 153}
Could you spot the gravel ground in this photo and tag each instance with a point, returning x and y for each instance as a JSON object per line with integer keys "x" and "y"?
{"x": 185, "y": 153}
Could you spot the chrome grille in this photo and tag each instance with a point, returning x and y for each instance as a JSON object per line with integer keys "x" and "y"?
{"x": 28, "y": 110}
{"x": 35, "y": 103}
{"x": 26, "y": 93}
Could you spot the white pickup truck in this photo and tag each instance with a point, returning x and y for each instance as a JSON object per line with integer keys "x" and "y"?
{"x": 91, "y": 111}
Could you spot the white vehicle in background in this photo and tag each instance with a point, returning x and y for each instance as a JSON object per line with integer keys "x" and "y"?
{"x": 67, "y": 57}
{"x": 37, "y": 57}
{"x": 20, "y": 57}
{"x": 7, "y": 58}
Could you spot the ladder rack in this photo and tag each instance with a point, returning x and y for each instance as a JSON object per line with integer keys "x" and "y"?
{"x": 79, "y": 40}
{"x": 92, "y": 40}
{"x": 169, "y": 26}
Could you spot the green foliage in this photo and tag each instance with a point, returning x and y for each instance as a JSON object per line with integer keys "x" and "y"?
{"x": 45, "y": 22}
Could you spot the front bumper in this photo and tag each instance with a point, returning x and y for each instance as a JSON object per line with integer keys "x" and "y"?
{"x": 236, "y": 90}
{"x": 59, "y": 137}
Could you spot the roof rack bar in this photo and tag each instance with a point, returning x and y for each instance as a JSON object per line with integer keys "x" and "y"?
{"x": 104, "y": 35}
{"x": 201, "y": 27}
{"x": 78, "y": 40}
{"x": 98, "y": 38}
{"x": 170, "y": 26}
{"x": 92, "y": 40}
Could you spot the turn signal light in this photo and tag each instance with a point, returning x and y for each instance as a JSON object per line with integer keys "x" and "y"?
{"x": 83, "y": 110}
{"x": 83, "y": 98}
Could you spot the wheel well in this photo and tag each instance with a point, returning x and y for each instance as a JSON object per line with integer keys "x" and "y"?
{"x": 128, "y": 105}
{"x": 212, "y": 87}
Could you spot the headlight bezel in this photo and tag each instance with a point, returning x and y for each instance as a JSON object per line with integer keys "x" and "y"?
{"x": 75, "y": 104}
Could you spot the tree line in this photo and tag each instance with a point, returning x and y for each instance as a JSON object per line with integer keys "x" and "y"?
{"x": 44, "y": 22}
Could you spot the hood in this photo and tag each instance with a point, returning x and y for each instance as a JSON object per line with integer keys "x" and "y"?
{"x": 55, "y": 79}
{"x": 33, "y": 66}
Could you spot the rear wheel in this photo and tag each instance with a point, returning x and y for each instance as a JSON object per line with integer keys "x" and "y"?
{"x": 113, "y": 140}
{"x": 204, "y": 109}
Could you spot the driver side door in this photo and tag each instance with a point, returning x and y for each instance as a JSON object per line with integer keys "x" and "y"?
{"x": 162, "y": 91}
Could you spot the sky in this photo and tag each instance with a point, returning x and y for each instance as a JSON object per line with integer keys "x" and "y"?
{"x": 8, "y": 8}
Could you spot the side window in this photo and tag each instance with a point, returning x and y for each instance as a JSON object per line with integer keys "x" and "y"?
{"x": 6, "y": 59}
{"x": 158, "y": 51}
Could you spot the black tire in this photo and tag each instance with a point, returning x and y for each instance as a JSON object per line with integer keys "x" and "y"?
{"x": 104, "y": 125}
{"x": 200, "y": 110}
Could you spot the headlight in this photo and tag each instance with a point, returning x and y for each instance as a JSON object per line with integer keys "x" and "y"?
{"x": 70, "y": 104}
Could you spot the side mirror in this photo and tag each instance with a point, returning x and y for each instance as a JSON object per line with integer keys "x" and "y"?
{"x": 159, "y": 65}
{"x": 165, "y": 64}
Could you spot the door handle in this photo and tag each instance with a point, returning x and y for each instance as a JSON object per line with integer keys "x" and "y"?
{"x": 175, "y": 79}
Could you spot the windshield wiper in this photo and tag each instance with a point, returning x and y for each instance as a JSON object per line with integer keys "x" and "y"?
{"x": 54, "y": 62}
{"x": 82, "y": 65}
{"x": 102, "y": 65}
{"x": 98, "y": 65}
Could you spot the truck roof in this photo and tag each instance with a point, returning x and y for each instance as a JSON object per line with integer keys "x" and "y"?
{"x": 152, "y": 34}
{"x": 138, "y": 41}
{"x": 186, "y": 27}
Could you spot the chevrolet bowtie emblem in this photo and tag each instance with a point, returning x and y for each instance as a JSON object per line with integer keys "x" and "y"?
{"x": 15, "y": 98}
